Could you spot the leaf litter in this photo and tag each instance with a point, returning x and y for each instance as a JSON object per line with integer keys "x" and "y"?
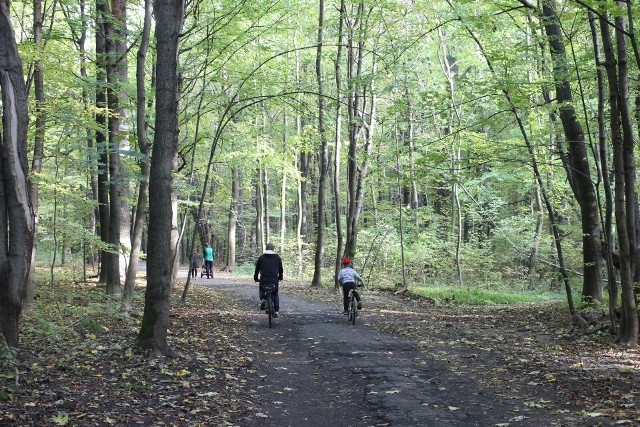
{"x": 82, "y": 369}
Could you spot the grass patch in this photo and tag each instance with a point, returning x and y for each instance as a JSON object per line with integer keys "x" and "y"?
{"x": 475, "y": 296}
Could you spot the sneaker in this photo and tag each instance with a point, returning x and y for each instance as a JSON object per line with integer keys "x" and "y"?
{"x": 345, "y": 312}
{"x": 359, "y": 305}
{"x": 276, "y": 314}
{"x": 263, "y": 304}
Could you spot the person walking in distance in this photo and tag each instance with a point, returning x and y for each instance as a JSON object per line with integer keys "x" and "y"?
{"x": 347, "y": 278}
{"x": 269, "y": 270}
{"x": 208, "y": 260}
{"x": 195, "y": 263}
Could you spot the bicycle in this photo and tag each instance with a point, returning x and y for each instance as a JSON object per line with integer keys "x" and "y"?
{"x": 269, "y": 288}
{"x": 353, "y": 305}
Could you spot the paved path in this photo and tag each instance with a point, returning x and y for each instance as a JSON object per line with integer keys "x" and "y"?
{"x": 316, "y": 369}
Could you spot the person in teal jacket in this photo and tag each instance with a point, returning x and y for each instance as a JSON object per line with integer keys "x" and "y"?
{"x": 208, "y": 257}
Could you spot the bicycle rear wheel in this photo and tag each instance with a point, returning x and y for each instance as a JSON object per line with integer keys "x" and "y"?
{"x": 353, "y": 312}
{"x": 269, "y": 308}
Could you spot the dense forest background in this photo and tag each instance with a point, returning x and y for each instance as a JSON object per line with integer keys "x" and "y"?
{"x": 476, "y": 144}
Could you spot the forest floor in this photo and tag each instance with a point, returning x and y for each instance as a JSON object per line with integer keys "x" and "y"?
{"x": 406, "y": 362}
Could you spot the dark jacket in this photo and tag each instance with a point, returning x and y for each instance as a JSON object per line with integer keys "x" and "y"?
{"x": 268, "y": 265}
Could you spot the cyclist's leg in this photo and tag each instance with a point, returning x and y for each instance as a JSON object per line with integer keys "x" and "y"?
{"x": 345, "y": 295}
{"x": 276, "y": 298}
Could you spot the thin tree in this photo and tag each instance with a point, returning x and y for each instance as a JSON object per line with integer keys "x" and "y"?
{"x": 143, "y": 146}
{"x": 38, "y": 143}
{"x": 338, "y": 143}
{"x": 323, "y": 155}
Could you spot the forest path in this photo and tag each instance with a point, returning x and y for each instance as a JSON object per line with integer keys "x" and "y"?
{"x": 315, "y": 369}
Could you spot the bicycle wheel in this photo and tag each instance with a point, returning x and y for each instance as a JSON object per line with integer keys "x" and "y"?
{"x": 269, "y": 308}
{"x": 353, "y": 312}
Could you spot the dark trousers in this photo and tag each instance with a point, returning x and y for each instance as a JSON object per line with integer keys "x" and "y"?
{"x": 263, "y": 294}
{"x": 346, "y": 287}
{"x": 194, "y": 270}
{"x": 208, "y": 268}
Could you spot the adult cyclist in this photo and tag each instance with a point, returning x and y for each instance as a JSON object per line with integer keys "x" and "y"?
{"x": 269, "y": 270}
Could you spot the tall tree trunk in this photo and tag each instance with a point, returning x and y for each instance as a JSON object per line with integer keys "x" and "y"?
{"x": 323, "y": 155}
{"x": 338, "y": 144}
{"x": 38, "y": 146}
{"x": 100, "y": 136}
{"x": 584, "y": 191}
{"x": 404, "y": 286}
{"x": 353, "y": 109}
{"x": 117, "y": 70}
{"x": 16, "y": 213}
{"x": 155, "y": 320}
{"x": 143, "y": 146}
{"x": 607, "y": 222}
{"x": 361, "y": 124}
{"x": 260, "y": 242}
{"x": 450, "y": 70}
{"x": 576, "y": 317}
{"x": 233, "y": 220}
{"x": 623, "y": 195}
{"x": 119, "y": 9}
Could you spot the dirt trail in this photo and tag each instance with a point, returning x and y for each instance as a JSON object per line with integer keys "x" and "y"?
{"x": 316, "y": 369}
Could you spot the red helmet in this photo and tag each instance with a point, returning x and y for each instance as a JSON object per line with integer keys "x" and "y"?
{"x": 346, "y": 261}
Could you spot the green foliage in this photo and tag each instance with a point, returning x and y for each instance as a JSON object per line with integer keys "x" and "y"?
{"x": 479, "y": 296}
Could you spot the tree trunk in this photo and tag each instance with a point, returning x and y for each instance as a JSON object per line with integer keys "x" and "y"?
{"x": 38, "y": 146}
{"x": 576, "y": 317}
{"x": 100, "y": 137}
{"x": 233, "y": 220}
{"x": 404, "y": 286}
{"x": 623, "y": 195}
{"x": 143, "y": 146}
{"x": 16, "y": 213}
{"x": 607, "y": 223}
{"x": 361, "y": 125}
{"x": 317, "y": 273}
{"x": 338, "y": 144}
{"x": 117, "y": 76}
{"x": 155, "y": 320}
{"x": 584, "y": 191}
{"x": 260, "y": 243}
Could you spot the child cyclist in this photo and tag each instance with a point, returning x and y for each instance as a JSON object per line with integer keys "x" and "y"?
{"x": 347, "y": 278}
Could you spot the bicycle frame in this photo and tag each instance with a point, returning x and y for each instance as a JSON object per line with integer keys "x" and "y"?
{"x": 353, "y": 309}
{"x": 269, "y": 288}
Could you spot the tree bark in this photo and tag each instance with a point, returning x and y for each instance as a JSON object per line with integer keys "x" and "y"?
{"x": 155, "y": 320}
{"x": 323, "y": 155}
{"x": 584, "y": 191}
{"x": 143, "y": 146}
{"x": 38, "y": 146}
{"x": 623, "y": 195}
{"x": 16, "y": 213}
{"x": 337, "y": 149}
{"x": 233, "y": 220}
{"x": 607, "y": 222}
{"x": 100, "y": 137}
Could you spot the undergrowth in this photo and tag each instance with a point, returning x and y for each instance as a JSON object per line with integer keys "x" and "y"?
{"x": 477, "y": 296}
